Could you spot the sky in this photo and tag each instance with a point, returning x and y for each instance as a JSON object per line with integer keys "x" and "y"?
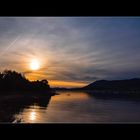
{"x": 72, "y": 51}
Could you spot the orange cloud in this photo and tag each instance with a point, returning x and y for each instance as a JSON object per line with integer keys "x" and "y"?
{"x": 69, "y": 84}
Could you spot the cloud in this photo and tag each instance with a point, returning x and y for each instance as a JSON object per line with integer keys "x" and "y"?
{"x": 72, "y": 49}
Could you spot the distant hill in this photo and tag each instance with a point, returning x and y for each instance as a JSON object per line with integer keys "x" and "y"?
{"x": 115, "y": 85}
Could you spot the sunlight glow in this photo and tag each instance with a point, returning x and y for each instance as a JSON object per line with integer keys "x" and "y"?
{"x": 34, "y": 65}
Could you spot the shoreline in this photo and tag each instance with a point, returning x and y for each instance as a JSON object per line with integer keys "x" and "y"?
{"x": 17, "y": 94}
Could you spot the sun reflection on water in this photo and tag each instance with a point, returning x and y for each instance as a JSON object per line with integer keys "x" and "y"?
{"x": 65, "y": 104}
{"x": 32, "y": 116}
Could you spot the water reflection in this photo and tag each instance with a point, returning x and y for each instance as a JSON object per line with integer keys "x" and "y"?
{"x": 81, "y": 107}
{"x": 32, "y": 116}
{"x": 12, "y": 106}
{"x": 62, "y": 108}
{"x": 111, "y": 97}
{"x": 68, "y": 106}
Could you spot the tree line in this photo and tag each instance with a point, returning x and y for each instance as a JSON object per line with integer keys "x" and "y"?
{"x": 14, "y": 81}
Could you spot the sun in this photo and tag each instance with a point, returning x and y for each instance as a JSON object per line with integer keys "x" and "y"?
{"x": 34, "y": 65}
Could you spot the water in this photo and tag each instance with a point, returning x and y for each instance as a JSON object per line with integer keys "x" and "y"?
{"x": 80, "y": 107}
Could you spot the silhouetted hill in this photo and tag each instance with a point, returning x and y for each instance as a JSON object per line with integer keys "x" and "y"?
{"x": 115, "y": 85}
{"x": 14, "y": 81}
